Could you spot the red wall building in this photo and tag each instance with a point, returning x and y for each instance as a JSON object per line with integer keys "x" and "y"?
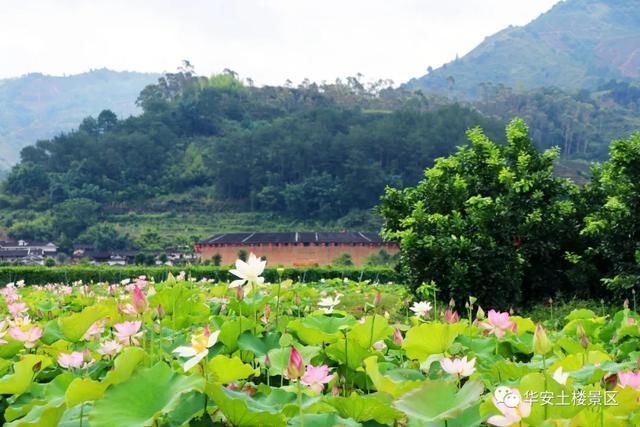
{"x": 291, "y": 249}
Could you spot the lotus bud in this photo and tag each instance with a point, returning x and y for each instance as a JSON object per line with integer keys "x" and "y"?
{"x": 377, "y": 299}
{"x": 451, "y": 316}
{"x": 541, "y": 343}
{"x": 335, "y": 390}
{"x": 550, "y": 301}
{"x": 387, "y": 315}
{"x": 267, "y": 312}
{"x": 267, "y": 361}
{"x": 397, "y": 335}
{"x": 480, "y": 314}
{"x": 511, "y": 312}
{"x": 472, "y": 300}
{"x": 249, "y": 389}
{"x": 140, "y": 302}
{"x": 625, "y": 304}
{"x": 239, "y": 293}
{"x": 86, "y": 356}
{"x": 466, "y": 305}
{"x": 452, "y": 303}
{"x": 298, "y": 301}
{"x": 161, "y": 312}
{"x": 584, "y": 341}
{"x": 295, "y": 368}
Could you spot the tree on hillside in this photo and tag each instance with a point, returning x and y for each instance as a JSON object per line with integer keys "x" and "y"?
{"x": 490, "y": 221}
{"x": 614, "y": 221}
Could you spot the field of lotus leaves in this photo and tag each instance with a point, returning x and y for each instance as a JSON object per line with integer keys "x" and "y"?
{"x": 249, "y": 353}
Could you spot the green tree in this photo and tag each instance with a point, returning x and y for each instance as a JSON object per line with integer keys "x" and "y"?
{"x": 490, "y": 221}
{"x": 343, "y": 260}
{"x": 613, "y": 225}
{"x": 73, "y": 216}
{"x": 243, "y": 254}
{"x": 104, "y": 237}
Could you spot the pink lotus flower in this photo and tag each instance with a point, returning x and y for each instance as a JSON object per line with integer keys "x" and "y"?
{"x": 109, "y": 348}
{"x": 451, "y": 316}
{"x": 128, "y": 309}
{"x": 397, "y": 335}
{"x": 316, "y": 377}
{"x": 629, "y": 379}
{"x": 17, "y": 309}
{"x": 10, "y": 295}
{"x": 95, "y": 330}
{"x": 75, "y": 360}
{"x": 498, "y": 323}
{"x": 294, "y": 367}
{"x": 459, "y": 367}
{"x": 28, "y": 337}
{"x": 128, "y": 332}
{"x": 513, "y": 411}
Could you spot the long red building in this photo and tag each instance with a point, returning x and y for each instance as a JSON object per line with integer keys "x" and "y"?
{"x": 295, "y": 249}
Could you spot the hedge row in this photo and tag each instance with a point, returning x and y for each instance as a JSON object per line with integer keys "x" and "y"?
{"x": 67, "y": 274}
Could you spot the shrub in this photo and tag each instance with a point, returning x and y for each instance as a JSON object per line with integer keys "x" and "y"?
{"x": 490, "y": 221}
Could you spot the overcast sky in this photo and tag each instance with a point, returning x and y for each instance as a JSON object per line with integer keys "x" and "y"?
{"x": 267, "y": 40}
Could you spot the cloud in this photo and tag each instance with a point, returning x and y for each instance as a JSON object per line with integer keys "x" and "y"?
{"x": 268, "y": 40}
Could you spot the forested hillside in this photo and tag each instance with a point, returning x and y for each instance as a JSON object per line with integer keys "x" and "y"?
{"x": 219, "y": 144}
{"x": 577, "y": 44}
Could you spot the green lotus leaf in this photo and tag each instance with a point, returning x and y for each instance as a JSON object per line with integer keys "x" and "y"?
{"x": 190, "y": 406}
{"x": 355, "y": 353}
{"x": 385, "y": 384}
{"x": 52, "y": 332}
{"x": 259, "y": 346}
{"x": 323, "y": 420}
{"x": 534, "y": 384}
{"x": 523, "y": 324}
{"x": 23, "y": 374}
{"x": 125, "y": 364}
{"x": 144, "y": 397}
{"x": 320, "y": 329}
{"x": 580, "y": 313}
{"x": 83, "y": 389}
{"x": 47, "y": 415}
{"x": 287, "y": 401}
{"x": 225, "y": 369}
{"x": 242, "y": 411}
{"x": 439, "y": 400}
{"x": 230, "y": 332}
{"x": 74, "y": 326}
{"x": 366, "y": 408}
{"x": 573, "y": 362}
{"x": 38, "y": 394}
{"x": 374, "y": 328}
{"x": 430, "y": 338}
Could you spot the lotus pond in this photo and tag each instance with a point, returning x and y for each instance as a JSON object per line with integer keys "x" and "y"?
{"x": 249, "y": 353}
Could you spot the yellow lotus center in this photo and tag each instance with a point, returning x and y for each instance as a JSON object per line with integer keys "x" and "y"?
{"x": 199, "y": 343}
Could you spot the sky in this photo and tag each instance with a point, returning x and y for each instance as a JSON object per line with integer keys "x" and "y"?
{"x": 269, "y": 41}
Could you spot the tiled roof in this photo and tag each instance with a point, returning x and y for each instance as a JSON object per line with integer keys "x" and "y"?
{"x": 293, "y": 237}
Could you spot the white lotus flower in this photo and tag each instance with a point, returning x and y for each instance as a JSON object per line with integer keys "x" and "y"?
{"x": 199, "y": 349}
{"x": 461, "y": 367}
{"x": 328, "y": 304}
{"x": 248, "y": 272}
{"x": 421, "y": 309}
{"x": 560, "y": 376}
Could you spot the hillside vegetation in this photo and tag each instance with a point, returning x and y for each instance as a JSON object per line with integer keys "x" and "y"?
{"x": 212, "y": 145}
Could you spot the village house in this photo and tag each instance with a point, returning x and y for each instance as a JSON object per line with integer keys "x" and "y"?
{"x": 293, "y": 248}
{"x": 26, "y": 252}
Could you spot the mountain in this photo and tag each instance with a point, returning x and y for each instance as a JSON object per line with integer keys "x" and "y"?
{"x": 38, "y": 106}
{"x": 577, "y": 44}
